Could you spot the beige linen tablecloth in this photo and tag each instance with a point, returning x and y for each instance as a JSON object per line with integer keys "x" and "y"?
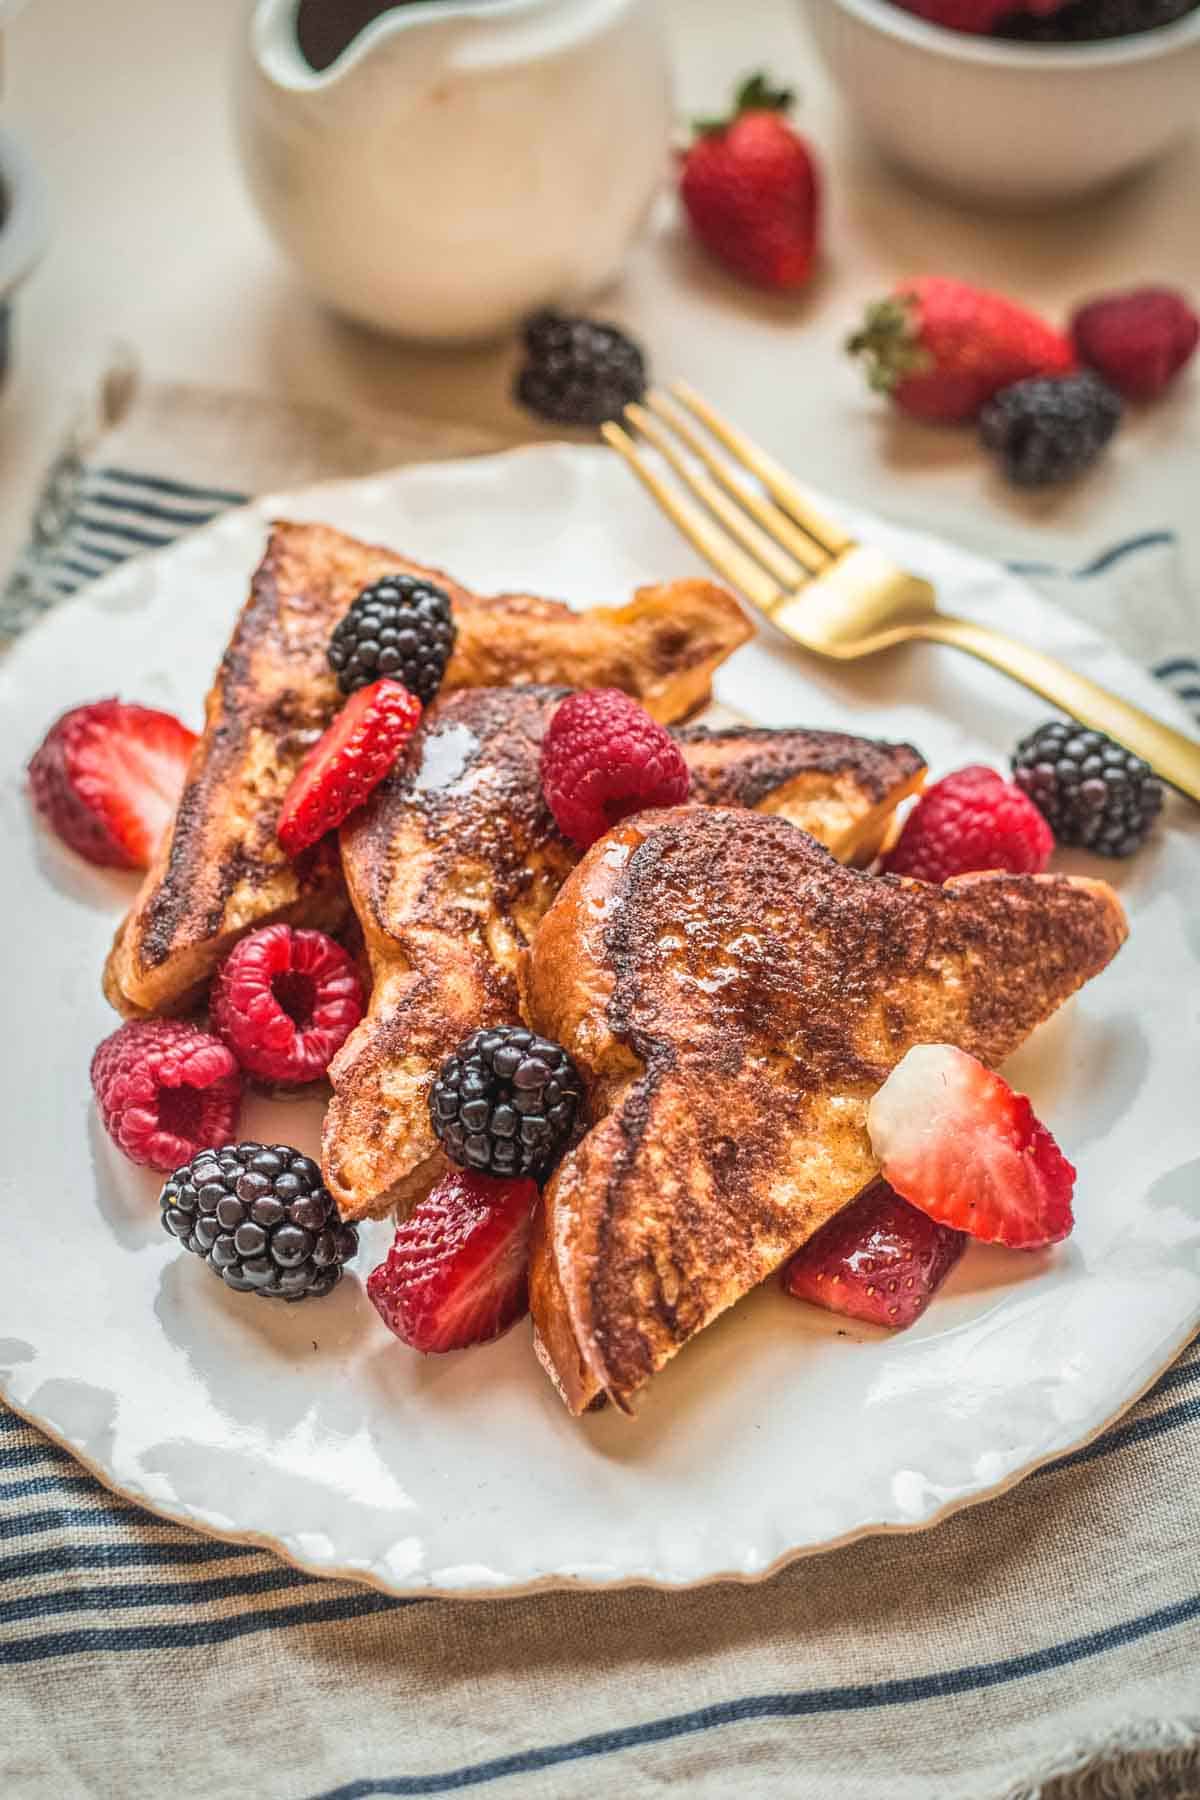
{"x": 1047, "y": 1643}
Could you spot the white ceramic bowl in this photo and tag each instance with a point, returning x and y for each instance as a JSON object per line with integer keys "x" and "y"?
{"x": 24, "y": 228}
{"x": 1009, "y": 123}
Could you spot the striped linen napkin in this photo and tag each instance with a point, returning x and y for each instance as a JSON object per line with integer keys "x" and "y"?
{"x": 1047, "y": 1644}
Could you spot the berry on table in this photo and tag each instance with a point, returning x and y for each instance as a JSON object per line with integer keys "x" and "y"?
{"x": 955, "y": 1141}
{"x": 285, "y": 1002}
{"x": 751, "y": 189}
{"x": 578, "y": 371}
{"x": 107, "y": 779}
{"x": 401, "y": 627}
{"x": 261, "y": 1219}
{"x": 347, "y": 763}
{"x": 164, "y": 1090}
{"x": 1139, "y": 341}
{"x": 1048, "y": 430}
{"x": 458, "y": 1271}
{"x": 1093, "y": 794}
{"x": 970, "y": 821}
{"x": 506, "y": 1102}
{"x": 940, "y": 348}
{"x": 604, "y": 758}
{"x": 879, "y": 1260}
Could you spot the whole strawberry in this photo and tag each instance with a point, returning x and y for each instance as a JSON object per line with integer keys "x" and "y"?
{"x": 1139, "y": 341}
{"x": 752, "y": 190}
{"x": 940, "y": 348}
{"x": 978, "y": 16}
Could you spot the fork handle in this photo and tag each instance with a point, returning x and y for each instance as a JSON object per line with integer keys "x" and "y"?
{"x": 1170, "y": 753}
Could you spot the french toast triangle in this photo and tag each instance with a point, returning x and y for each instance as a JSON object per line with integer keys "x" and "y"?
{"x": 220, "y": 871}
{"x": 454, "y": 861}
{"x": 733, "y": 997}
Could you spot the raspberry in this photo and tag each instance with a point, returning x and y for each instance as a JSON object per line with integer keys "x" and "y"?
{"x": 457, "y": 1273}
{"x": 968, "y": 821}
{"x": 346, "y": 764}
{"x": 261, "y": 1220}
{"x": 1138, "y": 341}
{"x": 165, "y": 1090}
{"x": 604, "y": 758}
{"x": 285, "y": 1002}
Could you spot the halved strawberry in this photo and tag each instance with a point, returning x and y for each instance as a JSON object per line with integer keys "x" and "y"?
{"x": 107, "y": 779}
{"x": 879, "y": 1259}
{"x": 954, "y": 1139}
{"x": 348, "y": 762}
{"x": 457, "y": 1272}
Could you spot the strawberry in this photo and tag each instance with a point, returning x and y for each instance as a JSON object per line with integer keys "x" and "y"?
{"x": 347, "y": 762}
{"x": 954, "y": 1139}
{"x": 879, "y": 1260}
{"x": 457, "y": 1272}
{"x": 107, "y": 779}
{"x": 942, "y": 348}
{"x": 751, "y": 188}
{"x": 978, "y": 16}
{"x": 1138, "y": 341}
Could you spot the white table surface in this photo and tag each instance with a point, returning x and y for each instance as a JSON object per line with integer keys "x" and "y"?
{"x": 126, "y": 105}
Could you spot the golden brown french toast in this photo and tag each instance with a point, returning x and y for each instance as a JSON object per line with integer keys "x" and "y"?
{"x": 733, "y": 997}
{"x": 455, "y": 859}
{"x": 220, "y": 870}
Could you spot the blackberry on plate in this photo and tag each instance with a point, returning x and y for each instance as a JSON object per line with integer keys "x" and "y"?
{"x": 1089, "y": 21}
{"x": 578, "y": 371}
{"x": 1050, "y": 428}
{"x": 506, "y": 1102}
{"x": 261, "y": 1219}
{"x": 1094, "y": 794}
{"x": 401, "y": 627}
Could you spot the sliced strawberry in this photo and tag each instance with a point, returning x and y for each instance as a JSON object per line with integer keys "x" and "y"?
{"x": 107, "y": 779}
{"x": 954, "y": 1139}
{"x": 457, "y": 1273}
{"x": 879, "y": 1260}
{"x": 348, "y": 762}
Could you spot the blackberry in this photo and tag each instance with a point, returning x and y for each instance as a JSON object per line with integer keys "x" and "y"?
{"x": 1093, "y": 793}
{"x": 578, "y": 371}
{"x": 1050, "y": 428}
{"x": 1086, "y": 21}
{"x": 506, "y": 1102}
{"x": 261, "y": 1219}
{"x": 402, "y": 627}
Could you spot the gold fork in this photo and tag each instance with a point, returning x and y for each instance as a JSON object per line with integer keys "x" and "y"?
{"x": 832, "y": 595}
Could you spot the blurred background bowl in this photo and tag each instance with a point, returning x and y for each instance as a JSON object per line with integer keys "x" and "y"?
{"x": 24, "y": 228}
{"x": 1009, "y": 124}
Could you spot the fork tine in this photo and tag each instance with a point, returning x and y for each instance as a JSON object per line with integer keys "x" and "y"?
{"x": 714, "y": 545}
{"x": 810, "y": 554}
{"x": 739, "y": 524}
{"x": 773, "y": 476}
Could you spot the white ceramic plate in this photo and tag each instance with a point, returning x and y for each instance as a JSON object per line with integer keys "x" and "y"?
{"x": 776, "y": 1433}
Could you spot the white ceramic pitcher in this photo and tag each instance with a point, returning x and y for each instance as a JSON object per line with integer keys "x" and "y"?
{"x": 462, "y": 161}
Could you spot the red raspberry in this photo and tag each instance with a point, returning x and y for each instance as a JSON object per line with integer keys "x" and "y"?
{"x": 166, "y": 1090}
{"x": 1139, "y": 341}
{"x": 347, "y": 763}
{"x": 457, "y": 1273}
{"x": 968, "y": 821}
{"x": 604, "y": 758}
{"x": 285, "y": 1002}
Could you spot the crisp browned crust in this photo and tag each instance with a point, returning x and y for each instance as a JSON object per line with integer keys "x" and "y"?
{"x": 452, "y": 865}
{"x": 733, "y": 997}
{"x": 220, "y": 870}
